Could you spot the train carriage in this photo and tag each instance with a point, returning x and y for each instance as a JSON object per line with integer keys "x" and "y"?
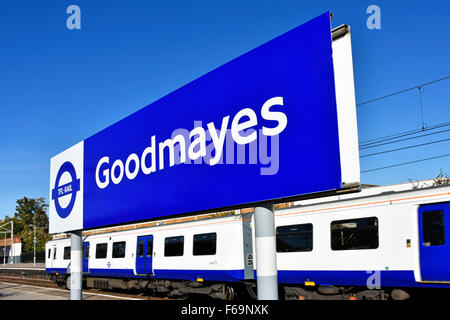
{"x": 374, "y": 244}
{"x": 200, "y": 253}
{"x": 390, "y": 239}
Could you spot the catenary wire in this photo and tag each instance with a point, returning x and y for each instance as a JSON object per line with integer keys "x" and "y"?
{"x": 403, "y": 148}
{"x": 387, "y": 139}
{"x": 402, "y": 91}
{"x": 401, "y": 134}
{"x": 405, "y": 163}
{"x": 404, "y": 139}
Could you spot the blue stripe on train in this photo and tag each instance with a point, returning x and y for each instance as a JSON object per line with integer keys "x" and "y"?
{"x": 206, "y": 275}
{"x": 353, "y": 278}
{"x": 388, "y": 278}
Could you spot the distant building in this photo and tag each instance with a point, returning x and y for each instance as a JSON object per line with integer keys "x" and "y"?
{"x": 12, "y": 253}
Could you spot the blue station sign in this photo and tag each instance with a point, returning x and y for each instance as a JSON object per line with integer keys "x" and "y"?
{"x": 264, "y": 126}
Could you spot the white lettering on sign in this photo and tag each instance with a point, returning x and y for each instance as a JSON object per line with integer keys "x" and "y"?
{"x": 243, "y": 131}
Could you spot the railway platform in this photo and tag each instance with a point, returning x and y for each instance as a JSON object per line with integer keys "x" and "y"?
{"x": 38, "y": 266}
{"x": 24, "y": 270}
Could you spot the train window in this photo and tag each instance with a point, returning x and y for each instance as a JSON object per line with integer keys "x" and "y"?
{"x": 354, "y": 234}
{"x": 49, "y": 253}
{"x": 141, "y": 248}
{"x": 295, "y": 238}
{"x": 205, "y": 244}
{"x": 54, "y": 254}
{"x": 86, "y": 251}
{"x": 174, "y": 246}
{"x": 66, "y": 253}
{"x": 100, "y": 250}
{"x": 433, "y": 228}
{"x": 149, "y": 246}
{"x": 118, "y": 249}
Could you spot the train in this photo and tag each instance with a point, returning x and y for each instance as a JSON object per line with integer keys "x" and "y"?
{"x": 375, "y": 244}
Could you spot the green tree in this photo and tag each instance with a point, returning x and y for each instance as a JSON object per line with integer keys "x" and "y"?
{"x": 31, "y": 212}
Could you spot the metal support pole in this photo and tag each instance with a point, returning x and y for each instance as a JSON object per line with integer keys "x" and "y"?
{"x": 76, "y": 268}
{"x": 34, "y": 245}
{"x": 11, "y": 250}
{"x": 266, "y": 259}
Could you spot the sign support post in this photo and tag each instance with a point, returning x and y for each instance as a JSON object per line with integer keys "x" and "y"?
{"x": 266, "y": 258}
{"x": 76, "y": 269}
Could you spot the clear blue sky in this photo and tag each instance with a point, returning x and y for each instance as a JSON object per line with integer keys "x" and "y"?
{"x": 59, "y": 86}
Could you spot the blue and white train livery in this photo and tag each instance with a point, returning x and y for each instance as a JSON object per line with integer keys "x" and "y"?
{"x": 375, "y": 244}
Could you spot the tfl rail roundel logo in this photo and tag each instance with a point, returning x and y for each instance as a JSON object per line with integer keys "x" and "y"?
{"x": 63, "y": 190}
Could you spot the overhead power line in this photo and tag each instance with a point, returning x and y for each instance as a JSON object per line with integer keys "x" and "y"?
{"x": 403, "y": 148}
{"x": 401, "y": 134}
{"x": 405, "y": 163}
{"x": 404, "y": 136}
{"x": 419, "y": 86}
{"x": 404, "y": 139}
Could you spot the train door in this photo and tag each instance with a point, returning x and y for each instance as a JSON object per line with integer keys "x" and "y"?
{"x": 85, "y": 257}
{"x": 53, "y": 257}
{"x": 434, "y": 242}
{"x": 144, "y": 255}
